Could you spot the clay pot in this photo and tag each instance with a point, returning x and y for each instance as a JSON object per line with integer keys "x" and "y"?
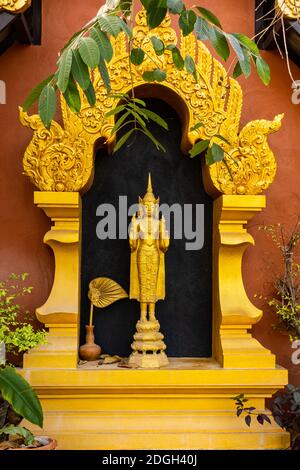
{"x": 89, "y": 351}
{"x": 51, "y": 446}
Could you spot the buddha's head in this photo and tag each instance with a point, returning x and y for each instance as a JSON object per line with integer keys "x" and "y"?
{"x": 149, "y": 204}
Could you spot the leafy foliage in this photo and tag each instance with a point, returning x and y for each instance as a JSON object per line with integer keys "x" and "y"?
{"x": 91, "y": 48}
{"x": 11, "y": 430}
{"x": 17, "y": 335}
{"x": 285, "y": 410}
{"x": 286, "y": 303}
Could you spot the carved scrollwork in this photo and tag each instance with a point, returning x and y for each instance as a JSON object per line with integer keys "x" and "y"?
{"x": 289, "y": 8}
{"x": 15, "y": 6}
{"x": 61, "y": 159}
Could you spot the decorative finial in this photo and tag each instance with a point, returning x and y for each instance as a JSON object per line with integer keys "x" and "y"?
{"x": 149, "y": 189}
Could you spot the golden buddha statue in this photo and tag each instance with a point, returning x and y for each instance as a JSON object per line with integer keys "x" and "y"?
{"x": 149, "y": 240}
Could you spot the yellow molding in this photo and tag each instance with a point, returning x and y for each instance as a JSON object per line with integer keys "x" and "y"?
{"x": 15, "y": 6}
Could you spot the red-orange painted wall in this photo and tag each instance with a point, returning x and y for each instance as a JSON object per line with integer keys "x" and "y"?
{"x": 23, "y": 225}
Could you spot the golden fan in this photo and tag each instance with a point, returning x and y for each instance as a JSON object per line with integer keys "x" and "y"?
{"x": 103, "y": 292}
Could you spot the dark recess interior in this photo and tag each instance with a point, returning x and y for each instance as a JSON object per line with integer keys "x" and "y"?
{"x": 185, "y": 315}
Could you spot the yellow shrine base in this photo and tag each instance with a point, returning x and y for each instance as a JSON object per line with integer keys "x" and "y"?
{"x": 185, "y": 405}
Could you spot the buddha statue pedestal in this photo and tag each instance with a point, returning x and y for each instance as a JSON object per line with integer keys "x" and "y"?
{"x": 148, "y": 346}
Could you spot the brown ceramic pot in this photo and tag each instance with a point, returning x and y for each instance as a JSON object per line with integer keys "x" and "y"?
{"x": 89, "y": 351}
{"x": 51, "y": 446}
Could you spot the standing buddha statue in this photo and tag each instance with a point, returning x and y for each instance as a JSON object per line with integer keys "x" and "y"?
{"x": 149, "y": 240}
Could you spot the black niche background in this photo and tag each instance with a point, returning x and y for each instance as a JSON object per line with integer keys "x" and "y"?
{"x": 185, "y": 315}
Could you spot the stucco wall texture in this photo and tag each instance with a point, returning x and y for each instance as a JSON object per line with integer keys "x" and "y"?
{"x": 23, "y": 225}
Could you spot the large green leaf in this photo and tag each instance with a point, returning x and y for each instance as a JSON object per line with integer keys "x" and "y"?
{"x": 137, "y": 56}
{"x": 156, "y": 12}
{"x": 175, "y": 6}
{"x": 122, "y": 140}
{"x": 208, "y": 15}
{"x": 47, "y": 105}
{"x": 199, "y": 147}
{"x": 219, "y": 43}
{"x": 80, "y": 71}
{"x": 187, "y": 21}
{"x": 263, "y": 70}
{"x": 202, "y": 29}
{"x": 90, "y": 94}
{"x": 242, "y": 54}
{"x": 176, "y": 56}
{"x": 156, "y": 75}
{"x": 158, "y": 45}
{"x": 89, "y": 52}
{"x": 247, "y": 42}
{"x": 113, "y": 25}
{"x": 72, "y": 96}
{"x": 104, "y": 74}
{"x": 156, "y": 118}
{"x": 21, "y": 396}
{"x": 106, "y": 49}
{"x": 35, "y": 93}
{"x": 64, "y": 70}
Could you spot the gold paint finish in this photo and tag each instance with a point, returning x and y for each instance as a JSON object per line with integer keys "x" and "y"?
{"x": 289, "y": 8}
{"x": 15, "y": 6}
{"x": 62, "y": 158}
{"x": 149, "y": 240}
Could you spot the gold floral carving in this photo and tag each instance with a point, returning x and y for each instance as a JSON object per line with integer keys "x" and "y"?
{"x": 289, "y": 8}
{"x": 15, "y": 6}
{"x": 62, "y": 159}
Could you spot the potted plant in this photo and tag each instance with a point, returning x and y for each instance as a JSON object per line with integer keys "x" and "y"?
{"x": 18, "y": 400}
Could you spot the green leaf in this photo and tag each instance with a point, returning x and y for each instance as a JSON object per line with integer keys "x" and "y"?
{"x": 187, "y": 21}
{"x": 89, "y": 52}
{"x": 175, "y": 6}
{"x": 219, "y": 43}
{"x": 196, "y": 126}
{"x": 158, "y": 45}
{"x": 72, "y": 96}
{"x": 189, "y": 64}
{"x": 242, "y": 55}
{"x": 80, "y": 70}
{"x": 217, "y": 153}
{"x": 106, "y": 49}
{"x": 156, "y": 12}
{"x": 237, "y": 71}
{"x": 209, "y": 160}
{"x": 122, "y": 140}
{"x": 115, "y": 111}
{"x": 219, "y": 136}
{"x": 208, "y": 15}
{"x": 247, "y": 42}
{"x": 150, "y": 136}
{"x": 110, "y": 24}
{"x": 47, "y": 105}
{"x": 202, "y": 29}
{"x": 137, "y": 56}
{"x": 176, "y": 56}
{"x": 119, "y": 122}
{"x": 263, "y": 70}
{"x": 104, "y": 74}
{"x": 137, "y": 100}
{"x": 64, "y": 70}
{"x": 156, "y": 75}
{"x": 156, "y": 118}
{"x": 138, "y": 118}
{"x": 35, "y": 93}
{"x": 19, "y": 431}
{"x": 21, "y": 396}
{"x": 90, "y": 94}
{"x": 199, "y": 147}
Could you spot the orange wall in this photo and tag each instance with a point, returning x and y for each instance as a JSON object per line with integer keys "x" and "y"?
{"x": 23, "y": 225}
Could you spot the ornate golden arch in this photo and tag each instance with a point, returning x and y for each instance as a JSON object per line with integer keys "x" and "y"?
{"x": 62, "y": 158}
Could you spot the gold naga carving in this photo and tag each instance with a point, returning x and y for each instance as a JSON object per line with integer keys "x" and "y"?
{"x": 289, "y": 8}
{"x": 15, "y": 6}
{"x": 62, "y": 158}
